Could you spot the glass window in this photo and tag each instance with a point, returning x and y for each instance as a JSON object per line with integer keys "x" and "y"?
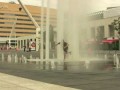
{"x": 111, "y": 31}
{"x": 100, "y": 32}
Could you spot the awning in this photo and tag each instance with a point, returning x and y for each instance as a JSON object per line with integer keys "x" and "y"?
{"x": 110, "y": 41}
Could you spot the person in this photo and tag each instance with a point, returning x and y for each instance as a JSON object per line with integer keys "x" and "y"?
{"x": 24, "y": 48}
{"x": 58, "y": 43}
{"x": 30, "y": 47}
{"x": 65, "y": 48}
{"x": 20, "y": 9}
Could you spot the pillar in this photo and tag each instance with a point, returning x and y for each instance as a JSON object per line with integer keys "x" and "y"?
{"x": 42, "y": 30}
{"x": 48, "y": 30}
{"x": 20, "y": 45}
{"x": 17, "y": 44}
{"x": 60, "y": 28}
{"x": 37, "y": 39}
{"x": 23, "y": 43}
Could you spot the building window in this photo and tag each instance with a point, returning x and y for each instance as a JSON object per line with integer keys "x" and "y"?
{"x": 111, "y": 31}
{"x": 10, "y": 18}
{"x": 100, "y": 32}
{"x": 93, "y": 32}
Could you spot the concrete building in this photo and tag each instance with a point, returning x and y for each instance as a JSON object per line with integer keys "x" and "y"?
{"x": 101, "y": 23}
{"x": 76, "y": 30}
{"x": 14, "y": 22}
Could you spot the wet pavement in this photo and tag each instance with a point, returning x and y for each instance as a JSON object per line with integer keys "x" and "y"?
{"x": 98, "y": 80}
{"x": 106, "y": 80}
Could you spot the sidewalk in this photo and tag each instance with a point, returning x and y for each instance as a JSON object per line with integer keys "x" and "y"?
{"x": 9, "y": 82}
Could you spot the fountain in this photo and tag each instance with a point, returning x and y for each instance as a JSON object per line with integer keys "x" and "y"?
{"x": 25, "y": 60}
{"x": 3, "y": 57}
{"x": 73, "y": 29}
{"x": 31, "y": 57}
{"x": 16, "y": 58}
{"x": 9, "y": 58}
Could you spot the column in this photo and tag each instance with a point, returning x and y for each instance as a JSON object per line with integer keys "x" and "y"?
{"x": 48, "y": 30}
{"x": 76, "y": 33}
{"x": 26, "y": 44}
{"x": 60, "y": 28}
{"x": 20, "y": 45}
{"x": 37, "y": 39}
{"x": 42, "y": 30}
{"x": 17, "y": 44}
{"x": 23, "y": 43}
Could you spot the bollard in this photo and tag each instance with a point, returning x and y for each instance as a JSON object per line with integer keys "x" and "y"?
{"x": 22, "y": 59}
{"x": 31, "y": 57}
{"x": 41, "y": 65}
{"x": 47, "y": 65}
{"x": 114, "y": 59}
{"x": 3, "y": 57}
{"x": 117, "y": 61}
{"x": 87, "y": 63}
{"x": 106, "y": 57}
{"x": 25, "y": 60}
{"x": 37, "y": 62}
{"x": 53, "y": 55}
{"x": 12, "y": 58}
{"x": 97, "y": 55}
{"x": 52, "y": 65}
{"x": 16, "y": 58}
{"x": 9, "y": 59}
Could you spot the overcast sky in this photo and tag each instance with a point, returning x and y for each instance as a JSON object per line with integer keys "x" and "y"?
{"x": 34, "y": 2}
{"x": 100, "y": 4}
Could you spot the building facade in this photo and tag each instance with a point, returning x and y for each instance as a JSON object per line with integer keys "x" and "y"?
{"x": 101, "y": 23}
{"x": 15, "y": 23}
{"x": 10, "y": 13}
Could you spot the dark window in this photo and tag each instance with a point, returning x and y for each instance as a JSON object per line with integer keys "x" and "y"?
{"x": 111, "y": 31}
{"x": 100, "y": 32}
{"x": 23, "y": 24}
{"x": 25, "y": 28}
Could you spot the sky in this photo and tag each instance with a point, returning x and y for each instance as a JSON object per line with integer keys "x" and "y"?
{"x": 99, "y": 4}
{"x": 34, "y": 2}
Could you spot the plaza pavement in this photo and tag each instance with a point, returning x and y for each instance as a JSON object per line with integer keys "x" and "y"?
{"x": 106, "y": 80}
{"x": 9, "y": 82}
{"x": 36, "y": 78}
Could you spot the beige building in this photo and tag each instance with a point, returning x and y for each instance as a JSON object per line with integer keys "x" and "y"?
{"x": 13, "y": 18}
{"x": 101, "y": 23}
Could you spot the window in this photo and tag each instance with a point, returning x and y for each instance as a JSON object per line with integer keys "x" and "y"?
{"x": 111, "y": 31}
{"x": 22, "y": 28}
{"x": 23, "y": 24}
{"x": 100, "y": 32}
{"x": 10, "y": 18}
{"x": 93, "y": 32}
